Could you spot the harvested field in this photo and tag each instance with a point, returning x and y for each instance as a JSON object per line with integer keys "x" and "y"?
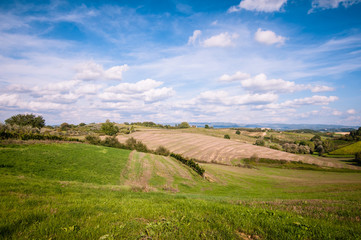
{"x": 149, "y": 172}
{"x": 217, "y": 150}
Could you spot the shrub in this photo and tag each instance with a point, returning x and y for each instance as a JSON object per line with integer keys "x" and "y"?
{"x": 227, "y": 136}
{"x": 130, "y": 143}
{"x": 93, "y": 139}
{"x": 260, "y": 142}
{"x": 238, "y": 132}
{"x": 162, "y": 151}
{"x": 112, "y": 142}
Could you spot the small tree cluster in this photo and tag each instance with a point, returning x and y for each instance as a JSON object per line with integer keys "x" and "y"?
{"x": 26, "y": 120}
{"x": 162, "y": 151}
{"x": 295, "y": 148}
{"x": 109, "y": 128}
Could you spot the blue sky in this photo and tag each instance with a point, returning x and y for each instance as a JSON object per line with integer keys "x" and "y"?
{"x": 249, "y": 61}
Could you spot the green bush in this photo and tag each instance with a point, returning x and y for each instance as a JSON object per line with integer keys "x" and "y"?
{"x": 238, "y": 132}
{"x": 227, "y": 136}
{"x": 93, "y": 139}
{"x": 109, "y": 128}
{"x": 162, "y": 151}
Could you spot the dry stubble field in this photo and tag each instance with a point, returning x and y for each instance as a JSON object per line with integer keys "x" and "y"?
{"x": 218, "y": 150}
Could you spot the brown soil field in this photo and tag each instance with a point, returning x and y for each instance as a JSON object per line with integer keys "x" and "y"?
{"x": 217, "y": 150}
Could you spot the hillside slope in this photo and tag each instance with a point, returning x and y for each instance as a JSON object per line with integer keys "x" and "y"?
{"x": 217, "y": 150}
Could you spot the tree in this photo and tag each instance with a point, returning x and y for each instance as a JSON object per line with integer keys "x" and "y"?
{"x": 26, "y": 120}
{"x": 238, "y": 132}
{"x": 358, "y": 157}
{"x": 64, "y": 126}
{"x": 227, "y": 136}
{"x": 206, "y": 126}
{"x": 184, "y": 125}
{"x": 109, "y": 128}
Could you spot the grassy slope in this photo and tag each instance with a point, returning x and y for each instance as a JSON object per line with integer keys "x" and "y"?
{"x": 72, "y": 191}
{"x": 350, "y": 149}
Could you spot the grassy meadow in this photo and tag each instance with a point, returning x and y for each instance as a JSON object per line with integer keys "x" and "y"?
{"x": 80, "y": 191}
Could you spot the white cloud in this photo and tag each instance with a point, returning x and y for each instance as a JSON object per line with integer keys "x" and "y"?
{"x": 158, "y": 94}
{"x": 268, "y": 37}
{"x": 321, "y": 89}
{"x": 223, "y": 98}
{"x": 144, "y": 90}
{"x": 138, "y": 87}
{"x": 327, "y": 4}
{"x": 89, "y": 71}
{"x": 92, "y": 71}
{"x": 238, "y": 76}
{"x": 314, "y": 100}
{"x": 260, "y": 83}
{"x": 8, "y": 100}
{"x": 192, "y": 39}
{"x": 259, "y": 5}
{"x": 220, "y": 40}
{"x": 115, "y": 73}
{"x": 351, "y": 111}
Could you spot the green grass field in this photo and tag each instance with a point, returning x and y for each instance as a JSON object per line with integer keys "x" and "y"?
{"x": 79, "y": 191}
{"x": 350, "y": 149}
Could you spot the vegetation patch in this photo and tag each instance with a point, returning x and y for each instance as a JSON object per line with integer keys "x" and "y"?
{"x": 348, "y": 150}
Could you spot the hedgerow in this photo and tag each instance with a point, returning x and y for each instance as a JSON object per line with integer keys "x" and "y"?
{"x": 189, "y": 162}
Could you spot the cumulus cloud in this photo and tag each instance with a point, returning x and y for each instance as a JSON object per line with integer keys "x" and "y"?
{"x": 238, "y": 76}
{"x": 259, "y": 5}
{"x": 327, "y": 4}
{"x": 268, "y": 37}
{"x": 89, "y": 71}
{"x": 221, "y": 40}
{"x": 115, "y": 73}
{"x": 138, "y": 87}
{"x": 351, "y": 111}
{"x": 260, "y": 83}
{"x": 192, "y": 39}
{"x": 145, "y": 90}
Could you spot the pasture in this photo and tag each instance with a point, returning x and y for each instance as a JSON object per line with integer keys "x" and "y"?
{"x": 79, "y": 191}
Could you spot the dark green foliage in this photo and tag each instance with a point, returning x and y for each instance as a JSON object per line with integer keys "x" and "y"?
{"x": 162, "y": 151}
{"x": 82, "y": 124}
{"x": 206, "y": 126}
{"x": 26, "y": 120}
{"x": 238, "y": 132}
{"x": 358, "y": 157}
{"x": 227, "y": 136}
{"x": 189, "y": 162}
{"x": 93, "y": 139}
{"x": 109, "y": 128}
{"x": 21, "y": 134}
{"x": 112, "y": 142}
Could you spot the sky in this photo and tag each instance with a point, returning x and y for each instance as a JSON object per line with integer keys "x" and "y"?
{"x": 166, "y": 61}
